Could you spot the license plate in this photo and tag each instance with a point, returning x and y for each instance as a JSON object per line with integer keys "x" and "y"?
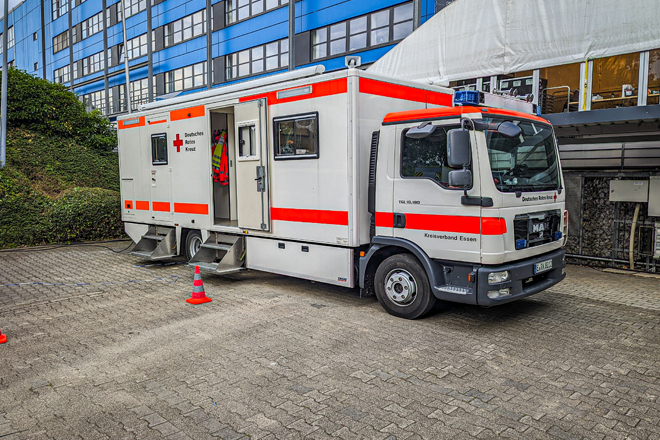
{"x": 543, "y": 266}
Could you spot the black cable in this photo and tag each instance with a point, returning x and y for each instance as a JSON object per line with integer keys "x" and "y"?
{"x": 63, "y": 245}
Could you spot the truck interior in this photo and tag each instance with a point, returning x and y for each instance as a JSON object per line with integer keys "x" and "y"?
{"x": 224, "y": 189}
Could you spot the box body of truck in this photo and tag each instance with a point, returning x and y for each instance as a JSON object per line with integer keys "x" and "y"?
{"x": 314, "y": 186}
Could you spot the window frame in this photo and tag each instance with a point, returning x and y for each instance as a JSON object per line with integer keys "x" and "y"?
{"x": 445, "y": 123}
{"x": 293, "y": 118}
{"x": 92, "y": 26}
{"x": 254, "y": 138}
{"x": 347, "y": 23}
{"x": 153, "y": 150}
{"x": 227, "y": 12}
{"x": 169, "y": 32}
{"x": 62, "y": 41}
{"x": 229, "y": 66}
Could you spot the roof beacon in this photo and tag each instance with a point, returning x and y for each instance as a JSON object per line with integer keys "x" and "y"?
{"x": 501, "y": 99}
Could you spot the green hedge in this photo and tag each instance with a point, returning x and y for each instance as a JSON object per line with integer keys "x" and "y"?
{"x": 78, "y": 214}
{"x": 61, "y": 180}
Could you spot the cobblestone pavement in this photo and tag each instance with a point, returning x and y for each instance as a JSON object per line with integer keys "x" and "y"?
{"x": 100, "y": 347}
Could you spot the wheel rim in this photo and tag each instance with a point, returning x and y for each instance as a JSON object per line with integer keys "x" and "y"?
{"x": 401, "y": 287}
{"x": 194, "y": 244}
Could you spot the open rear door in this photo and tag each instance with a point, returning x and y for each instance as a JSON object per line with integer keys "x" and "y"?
{"x": 253, "y": 202}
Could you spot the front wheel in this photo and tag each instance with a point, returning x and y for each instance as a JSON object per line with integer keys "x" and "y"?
{"x": 193, "y": 243}
{"x": 402, "y": 287}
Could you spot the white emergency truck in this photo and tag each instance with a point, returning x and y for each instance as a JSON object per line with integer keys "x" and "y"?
{"x": 350, "y": 179}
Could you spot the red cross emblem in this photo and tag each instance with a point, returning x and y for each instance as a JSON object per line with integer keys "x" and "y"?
{"x": 178, "y": 143}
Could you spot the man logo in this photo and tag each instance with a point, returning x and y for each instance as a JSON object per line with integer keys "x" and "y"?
{"x": 538, "y": 227}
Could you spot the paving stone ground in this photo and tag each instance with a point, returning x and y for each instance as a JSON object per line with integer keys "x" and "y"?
{"x": 102, "y": 347}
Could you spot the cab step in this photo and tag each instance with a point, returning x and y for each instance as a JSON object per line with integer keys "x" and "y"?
{"x": 157, "y": 244}
{"x": 220, "y": 253}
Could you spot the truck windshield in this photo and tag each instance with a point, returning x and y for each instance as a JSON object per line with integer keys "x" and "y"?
{"x": 526, "y": 163}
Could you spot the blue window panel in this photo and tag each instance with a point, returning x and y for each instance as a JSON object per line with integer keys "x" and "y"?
{"x": 132, "y": 63}
{"x": 84, "y": 11}
{"x": 117, "y": 68}
{"x": 319, "y": 13}
{"x": 88, "y": 46}
{"x": 368, "y": 56}
{"x": 114, "y": 35}
{"x": 254, "y": 32}
{"x": 61, "y": 62}
{"x": 172, "y": 10}
{"x": 60, "y": 25}
{"x": 140, "y": 73}
{"x": 249, "y": 78}
{"x": 138, "y": 29}
{"x": 182, "y": 60}
{"x": 188, "y": 92}
{"x": 116, "y": 80}
{"x": 189, "y": 47}
{"x": 88, "y": 77}
{"x": 90, "y": 88}
{"x": 136, "y": 20}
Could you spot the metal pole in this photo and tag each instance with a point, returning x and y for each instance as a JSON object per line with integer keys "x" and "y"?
{"x": 3, "y": 109}
{"x": 292, "y": 34}
{"x": 128, "y": 78}
{"x": 150, "y": 64}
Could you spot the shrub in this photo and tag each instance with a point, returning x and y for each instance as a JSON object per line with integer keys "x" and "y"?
{"x": 50, "y": 109}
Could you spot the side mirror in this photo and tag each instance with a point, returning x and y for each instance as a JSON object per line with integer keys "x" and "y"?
{"x": 508, "y": 129}
{"x": 460, "y": 179}
{"x": 458, "y": 148}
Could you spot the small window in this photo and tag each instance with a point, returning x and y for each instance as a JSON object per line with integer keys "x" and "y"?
{"x": 34, "y": 37}
{"x": 427, "y": 158}
{"x": 297, "y": 137}
{"x": 159, "y": 149}
{"x": 246, "y": 142}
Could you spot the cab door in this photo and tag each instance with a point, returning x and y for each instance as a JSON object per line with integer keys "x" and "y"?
{"x": 251, "y": 135}
{"x": 160, "y": 171}
{"x": 427, "y": 211}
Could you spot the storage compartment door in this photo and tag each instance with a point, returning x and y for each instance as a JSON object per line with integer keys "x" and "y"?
{"x": 251, "y": 137}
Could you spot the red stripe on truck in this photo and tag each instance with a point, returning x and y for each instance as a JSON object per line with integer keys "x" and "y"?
{"x": 161, "y": 206}
{"x": 310, "y": 216}
{"x": 186, "y": 113}
{"x": 380, "y": 88}
{"x": 325, "y": 88}
{"x": 459, "y": 224}
{"x": 191, "y": 208}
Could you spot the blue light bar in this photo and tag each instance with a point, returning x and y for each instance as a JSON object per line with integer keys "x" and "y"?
{"x": 521, "y": 244}
{"x": 466, "y": 97}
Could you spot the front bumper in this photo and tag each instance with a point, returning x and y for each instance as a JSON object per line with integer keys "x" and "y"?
{"x": 523, "y": 282}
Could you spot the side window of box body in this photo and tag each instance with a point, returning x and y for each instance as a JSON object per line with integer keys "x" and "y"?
{"x": 296, "y": 136}
{"x": 247, "y": 148}
{"x": 159, "y": 149}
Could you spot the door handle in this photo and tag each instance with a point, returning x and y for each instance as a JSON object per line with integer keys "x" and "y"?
{"x": 399, "y": 220}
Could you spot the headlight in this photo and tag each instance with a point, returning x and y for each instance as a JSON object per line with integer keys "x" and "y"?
{"x": 494, "y": 294}
{"x": 498, "y": 277}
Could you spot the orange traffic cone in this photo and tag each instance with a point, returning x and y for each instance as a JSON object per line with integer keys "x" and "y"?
{"x": 3, "y": 338}
{"x": 198, "y": 294}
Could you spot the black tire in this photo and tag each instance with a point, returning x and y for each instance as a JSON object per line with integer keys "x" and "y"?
{"x": 402, "y": 287}
{"x": 193, "y": 241}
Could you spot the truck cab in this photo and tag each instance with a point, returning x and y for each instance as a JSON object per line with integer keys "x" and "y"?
{"x": 475, "y": 195}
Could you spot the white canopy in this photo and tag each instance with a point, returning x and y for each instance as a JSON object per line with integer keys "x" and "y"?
{"x": 479, "y": 38}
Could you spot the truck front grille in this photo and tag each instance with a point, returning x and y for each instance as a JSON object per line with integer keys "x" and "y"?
{"x": 537, "y": 228}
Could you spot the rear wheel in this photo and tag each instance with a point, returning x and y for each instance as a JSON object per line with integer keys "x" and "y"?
{"x": 402, "y": 287}
{"x": 193, "y": 243}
